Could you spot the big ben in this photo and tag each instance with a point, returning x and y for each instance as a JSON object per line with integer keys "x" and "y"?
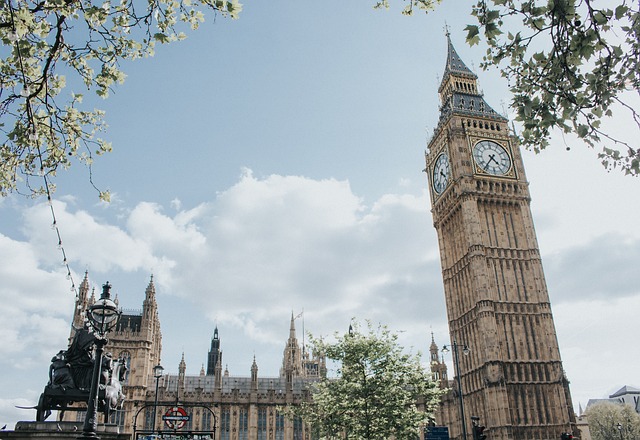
{"x": 496, "y": 294}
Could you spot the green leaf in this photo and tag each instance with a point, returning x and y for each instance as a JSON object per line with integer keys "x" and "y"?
{"x": 582, "y": 130}
{"x": 621, "y": 11}
{"x": 162, "y": 38}
{"x": 472, "y": 33}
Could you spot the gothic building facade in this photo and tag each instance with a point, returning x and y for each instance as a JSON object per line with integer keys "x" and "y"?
{"x": 496, "y": 295}
{"x": 236, "y": 407}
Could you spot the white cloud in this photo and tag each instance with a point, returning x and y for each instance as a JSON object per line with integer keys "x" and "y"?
{"x": 267, "y": 246}
{"x": 96, "y": 245}
{"x": 612, "y": 255}
{"x": 598, "y": 339}
{"x": 35, "y": 302}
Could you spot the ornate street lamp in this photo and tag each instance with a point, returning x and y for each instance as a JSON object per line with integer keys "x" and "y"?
{"x": 465, "y": 351}
{"x": 103, "y": 316}
{"x": 157, "y": 373}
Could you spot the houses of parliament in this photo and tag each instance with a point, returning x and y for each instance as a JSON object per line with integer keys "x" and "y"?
{"x": 234, "y": 407}
{"x": 496, "y": 298}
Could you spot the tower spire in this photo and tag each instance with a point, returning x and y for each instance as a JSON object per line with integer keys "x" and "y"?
{"x": 83, "y": 297}
{"x": 454, "y": 64}
{"x": 433, "y": 349}
{"x": 215, "y": 354}
{"x": 292, "y": 327}
{"x": 254, "y": 374}
{"x": 149, "y": 306}
{"x": 292, "y": 357}
{"x": 84, "y": 287}
{"x": 459, "y": 91}
{"x": 81, "y": 305}
{"x": 150, "y": 293}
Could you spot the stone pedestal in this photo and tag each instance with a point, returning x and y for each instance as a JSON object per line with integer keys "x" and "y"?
{"x": 60, "y": 430}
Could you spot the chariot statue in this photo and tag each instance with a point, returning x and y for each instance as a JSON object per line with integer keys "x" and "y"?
{"x": 70, "y": 376}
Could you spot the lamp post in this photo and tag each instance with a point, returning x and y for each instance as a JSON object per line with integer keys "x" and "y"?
{"x": 157, "y": 373}
{"x": 465, "y": 351}
{"x": 103, "y": 317}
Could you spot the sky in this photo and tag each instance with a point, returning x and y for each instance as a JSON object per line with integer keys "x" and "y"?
{"x": 272, "y": 165}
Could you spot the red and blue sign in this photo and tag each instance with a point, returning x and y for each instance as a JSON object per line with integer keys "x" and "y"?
{"x": 176, "y": 417}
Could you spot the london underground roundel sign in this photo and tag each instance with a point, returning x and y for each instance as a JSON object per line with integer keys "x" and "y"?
{"x": 175, "y": 417}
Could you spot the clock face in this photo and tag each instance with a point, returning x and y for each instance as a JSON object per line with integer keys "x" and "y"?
{"x": 492, "y": 157}
{"x": 441, "y": 172}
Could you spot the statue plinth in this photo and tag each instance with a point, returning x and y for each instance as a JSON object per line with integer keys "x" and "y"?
{"x": 60, "y": 431}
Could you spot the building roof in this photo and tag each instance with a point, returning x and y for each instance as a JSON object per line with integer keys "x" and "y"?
{"x": 596, "y": 401}
{"x": 627, "y": 395}
{"x": 455, "y": 65}
{"x": 230, "y": 383}
{"x": 624, "y": 391}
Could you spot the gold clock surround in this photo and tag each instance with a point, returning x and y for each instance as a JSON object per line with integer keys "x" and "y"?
{"x": 504, "y": 144}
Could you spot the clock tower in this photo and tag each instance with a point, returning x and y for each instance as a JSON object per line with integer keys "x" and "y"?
{"x": 496, "y": 295}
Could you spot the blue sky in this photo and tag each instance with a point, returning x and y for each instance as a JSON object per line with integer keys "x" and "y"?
{"x": 273, "y": 164}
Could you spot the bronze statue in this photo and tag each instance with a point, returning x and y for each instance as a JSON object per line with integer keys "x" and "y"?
{"x": 80, "y": 357}
{"x": 70, "y": 379}
{"x": 60, "y": 372}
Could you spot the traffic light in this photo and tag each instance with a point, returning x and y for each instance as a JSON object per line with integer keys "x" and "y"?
{"x": 566, "y": 436}
{"x": 478, "y": 432}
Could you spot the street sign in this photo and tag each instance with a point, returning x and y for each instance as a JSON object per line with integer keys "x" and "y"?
{"x": 176, "y": 417}
{"x": 437, "y": 433}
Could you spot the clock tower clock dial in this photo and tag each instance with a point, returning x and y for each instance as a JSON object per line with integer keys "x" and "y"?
{"x": 492, "y": 158}
{"x": 441, "y": 172}
{"x": 495, "y": 292}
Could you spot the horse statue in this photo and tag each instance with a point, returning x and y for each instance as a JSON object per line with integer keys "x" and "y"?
{"x": 70, "y": 377}
{"x": 110, "y": 395}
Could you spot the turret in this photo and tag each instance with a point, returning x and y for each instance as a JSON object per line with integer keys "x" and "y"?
{"x": 433, "y": 350}
{"x": 150, "y": 325}
{"x": 182, "y": 370}
{"x": 215, "y": 354}
{"x": 82, "y": 301}
{"x": 149, "y": 306}
{"x": 254, "y": 375}
{"x": 218, "y": 374}
{"x": 292, "y": 358}
{"x": 437, "y": 365}
{"x": 81, "y": 305}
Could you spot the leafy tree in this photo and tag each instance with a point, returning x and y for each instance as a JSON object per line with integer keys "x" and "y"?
{"x": 570, "y": 65}
{"x": 43, "y": 41}
{"x": 379, "y": 392}
{"x": 610, "y": 421}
